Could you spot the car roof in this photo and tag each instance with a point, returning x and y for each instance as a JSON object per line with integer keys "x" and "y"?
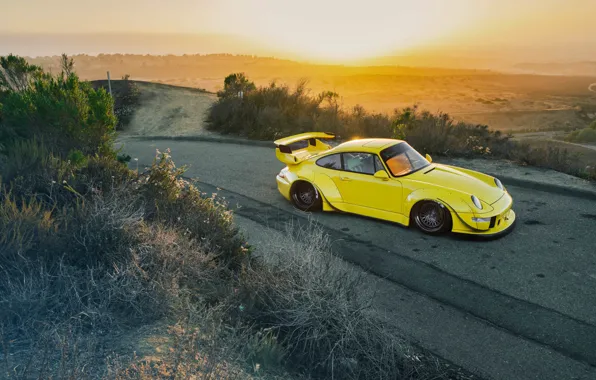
{"x": 366, "y": 145}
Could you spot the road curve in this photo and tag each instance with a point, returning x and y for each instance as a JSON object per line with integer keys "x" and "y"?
{"x": 537, "y": 284}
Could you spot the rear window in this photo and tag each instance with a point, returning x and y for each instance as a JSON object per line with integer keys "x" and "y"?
{"x": 330, "y": 162}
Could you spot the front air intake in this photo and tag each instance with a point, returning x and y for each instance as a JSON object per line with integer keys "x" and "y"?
{"x": 492, "y": 222}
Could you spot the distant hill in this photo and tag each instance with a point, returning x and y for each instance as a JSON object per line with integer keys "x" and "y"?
{"x": 587, "y": 68}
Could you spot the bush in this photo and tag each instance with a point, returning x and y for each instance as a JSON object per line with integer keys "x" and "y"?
{"x": 60, "y": 111}
{"x": 586, "y": 135}
{"x": 126, "y": 99}
{"x": 173, "y": 201}
{"x": 440, "y": 134}
{"x": 268, "y": 113}
{"x": 272, "y": 112}
{"x": 317, "y": 309}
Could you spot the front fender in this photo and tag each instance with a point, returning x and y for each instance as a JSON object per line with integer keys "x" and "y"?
{"x": 454, "y": 201}
{"x": 461, "y": 211}
{"x": 488, "y": 179}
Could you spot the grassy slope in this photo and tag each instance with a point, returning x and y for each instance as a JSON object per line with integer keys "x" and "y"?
{"x": 166, "y": 110}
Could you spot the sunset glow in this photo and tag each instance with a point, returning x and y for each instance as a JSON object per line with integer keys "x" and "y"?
{"x": 327, "y": 30}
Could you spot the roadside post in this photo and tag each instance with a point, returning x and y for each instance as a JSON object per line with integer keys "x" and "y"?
{"x": 112, "y": 95}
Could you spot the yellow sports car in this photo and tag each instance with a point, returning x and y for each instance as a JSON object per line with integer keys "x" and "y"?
{"x": 388, "y": 179}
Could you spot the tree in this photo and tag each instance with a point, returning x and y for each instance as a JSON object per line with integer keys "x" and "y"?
{"x": 67, "y": 65}
{"x": 234, "y": 83}
{"x": 16, "y": 73}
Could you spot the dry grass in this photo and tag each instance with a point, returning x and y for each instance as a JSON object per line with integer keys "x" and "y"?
{"x": 169, "y": 111}
{"x": 317, "y": 309}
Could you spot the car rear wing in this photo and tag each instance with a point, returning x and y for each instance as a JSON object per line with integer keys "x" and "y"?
{"x": 293, "y": 150}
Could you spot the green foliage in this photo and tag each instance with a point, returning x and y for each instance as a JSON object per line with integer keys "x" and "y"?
{"x": 16, "y": 74}
{"x": 234, "y": 83}
{"x": 586, "y": 135}
{"x": 62, "y": 112}
{"x": 440, "y": 134}
{"x": 67, "y": 65}
{"x": 275, "y": 111}
{"x": 173, "y": 201}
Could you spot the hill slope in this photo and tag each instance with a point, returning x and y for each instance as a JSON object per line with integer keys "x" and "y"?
{"x": 169, "y": 111}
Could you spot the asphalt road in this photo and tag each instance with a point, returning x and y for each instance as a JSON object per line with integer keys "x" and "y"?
{"x": 535, "y": 287}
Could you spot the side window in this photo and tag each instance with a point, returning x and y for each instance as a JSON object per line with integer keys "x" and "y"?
{"x": 359, "y": 162}
{"x": 330, "y": 162}
{"x": 378, "y": 164}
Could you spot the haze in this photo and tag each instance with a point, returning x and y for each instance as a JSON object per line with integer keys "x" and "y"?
{"x": 315, "y": 30}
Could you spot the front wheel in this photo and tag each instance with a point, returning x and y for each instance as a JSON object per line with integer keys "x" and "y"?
{"x": 305, "y": 196}
{"x": 432, "y": 217}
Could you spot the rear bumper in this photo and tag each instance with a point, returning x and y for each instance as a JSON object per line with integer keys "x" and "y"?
{"x": 284, "y": 187}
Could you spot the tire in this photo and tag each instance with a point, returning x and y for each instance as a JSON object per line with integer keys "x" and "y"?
{"x": 305, "y": 197}
{"x": 432, "y": 217}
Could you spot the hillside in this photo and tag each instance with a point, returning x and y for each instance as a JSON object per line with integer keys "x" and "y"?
{"x": 504, "y": 101}
{"x": 169, "y": 111}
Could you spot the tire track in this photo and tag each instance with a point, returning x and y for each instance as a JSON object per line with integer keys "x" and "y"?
{"x": 560, "y": 332}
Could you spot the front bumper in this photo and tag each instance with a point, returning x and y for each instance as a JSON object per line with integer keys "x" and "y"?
{"x": 499, "y": 221}
{"x": 503, "y": 226}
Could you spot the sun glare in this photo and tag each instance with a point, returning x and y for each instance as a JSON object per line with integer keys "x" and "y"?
{"x": 338, "y": 30}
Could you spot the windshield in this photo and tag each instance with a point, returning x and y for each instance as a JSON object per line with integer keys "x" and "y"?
{"x": 402, "y": 159}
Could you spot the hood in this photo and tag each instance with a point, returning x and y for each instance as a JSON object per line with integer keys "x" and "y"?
{"x": 452, "y": 178}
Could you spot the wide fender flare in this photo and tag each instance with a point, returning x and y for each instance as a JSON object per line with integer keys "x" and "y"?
{"x": 295, "y": 178}
{"x": 454, "y": 202}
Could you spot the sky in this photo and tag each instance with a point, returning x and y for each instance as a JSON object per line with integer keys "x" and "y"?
{"x": 329, "y": 30}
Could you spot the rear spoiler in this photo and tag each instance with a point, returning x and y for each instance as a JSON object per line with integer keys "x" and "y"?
{"x": 294, "y": 149}
{"x": 304, "y": 136}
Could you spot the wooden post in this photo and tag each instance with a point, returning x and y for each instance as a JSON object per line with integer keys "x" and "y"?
{"x": 110, "y": 85}
{"x": 112, "y": 95}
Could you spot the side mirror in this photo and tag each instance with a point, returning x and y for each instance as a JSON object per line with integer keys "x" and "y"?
{"x": 382, "y": 174}
{"x": 429, "y": 158}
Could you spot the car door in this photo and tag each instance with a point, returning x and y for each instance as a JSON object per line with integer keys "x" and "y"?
{"x": 358, "y": 186}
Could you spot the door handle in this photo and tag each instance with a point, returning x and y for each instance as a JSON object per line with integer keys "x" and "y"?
{"x": 345, "y": 178}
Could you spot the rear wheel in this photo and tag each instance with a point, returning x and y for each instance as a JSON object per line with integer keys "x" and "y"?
{"x": 305, "y": 196}
{"x": 432, "y": 217}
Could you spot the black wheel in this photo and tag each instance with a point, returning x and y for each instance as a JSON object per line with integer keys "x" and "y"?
{"x": 432, "y": 217}
{"x": 305, "y": 196}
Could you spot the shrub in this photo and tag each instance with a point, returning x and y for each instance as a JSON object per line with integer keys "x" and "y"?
{"x": 586, "y": 135}
{"x": 276, "y": 111}
{"x": 440, "y": 134}
{"x": 173, "y": 201}
{"x": 126, "y": 99}
{"x": 318, "y": 309}
{"x": 60, "y": 111}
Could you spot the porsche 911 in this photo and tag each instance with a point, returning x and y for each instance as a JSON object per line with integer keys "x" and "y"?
{"x": 388, "y": 179}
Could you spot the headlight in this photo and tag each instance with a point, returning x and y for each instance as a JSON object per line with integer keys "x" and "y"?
{"x": 476, "y": 202}
{"x": 481, "y": 220}
{"x": 498, "y": 183}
